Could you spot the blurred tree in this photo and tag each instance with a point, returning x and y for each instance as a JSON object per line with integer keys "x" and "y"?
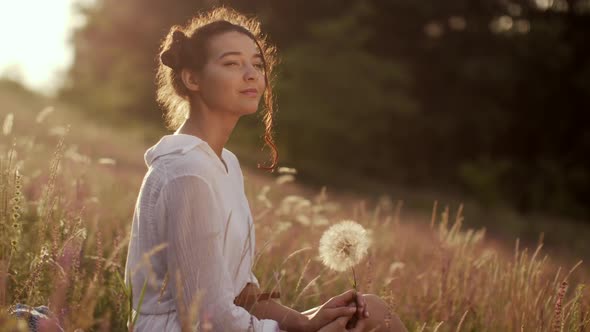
{"x": 339, "y": 103}
{"x": 506, "y": 81}
{"x": 115, "y": 56}
{"x": 486, "y": 97}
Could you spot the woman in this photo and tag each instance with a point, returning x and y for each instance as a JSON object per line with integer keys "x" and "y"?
{"x": 192, "y": 237}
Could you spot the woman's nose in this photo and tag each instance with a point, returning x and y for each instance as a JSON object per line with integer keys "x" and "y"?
{"x": 251, "y": 73}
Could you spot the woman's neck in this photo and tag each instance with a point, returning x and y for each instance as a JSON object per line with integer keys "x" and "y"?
{"x": 210, "y": 127}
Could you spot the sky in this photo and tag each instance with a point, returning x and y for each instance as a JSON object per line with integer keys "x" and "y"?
{"x": 35, "y": 47}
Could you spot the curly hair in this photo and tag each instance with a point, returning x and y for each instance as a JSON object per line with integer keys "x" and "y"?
{"x": 186, "y": 47}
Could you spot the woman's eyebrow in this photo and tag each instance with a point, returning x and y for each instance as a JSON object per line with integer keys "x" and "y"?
{"x": 257, "y": 55}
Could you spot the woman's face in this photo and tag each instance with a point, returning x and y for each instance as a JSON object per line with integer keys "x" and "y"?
{"x": 232, "y": 79}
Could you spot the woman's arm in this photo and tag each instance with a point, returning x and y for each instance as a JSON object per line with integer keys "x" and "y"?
{"x": 311, "y": 311}
{"x": 251, "y": 298}
{"x": 288, "y": 319}
{"x": 199, "y": 278}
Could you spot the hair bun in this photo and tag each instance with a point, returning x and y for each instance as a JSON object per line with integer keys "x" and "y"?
{"x": 172, "y": 57}
{"x": 178, "y": 37}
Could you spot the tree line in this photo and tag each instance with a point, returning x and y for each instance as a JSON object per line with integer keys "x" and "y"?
{"x": 484, "y": 97}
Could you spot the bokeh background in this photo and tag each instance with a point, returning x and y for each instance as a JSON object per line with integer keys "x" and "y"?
{"x": 480, "y": 102}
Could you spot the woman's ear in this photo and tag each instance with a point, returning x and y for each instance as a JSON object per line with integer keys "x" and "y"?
{"x": 190, "y": 79}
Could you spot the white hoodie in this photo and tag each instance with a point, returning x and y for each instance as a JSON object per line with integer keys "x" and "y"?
{"x": 191, "y": 216}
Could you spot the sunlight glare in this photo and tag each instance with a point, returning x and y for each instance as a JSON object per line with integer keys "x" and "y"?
{"x": 35, "y": 36}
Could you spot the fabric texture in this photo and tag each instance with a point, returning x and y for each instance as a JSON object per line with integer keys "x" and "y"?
{"x": 192, "y": 239}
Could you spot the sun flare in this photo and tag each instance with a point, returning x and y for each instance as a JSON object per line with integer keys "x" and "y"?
{"x": 35, "y": 37}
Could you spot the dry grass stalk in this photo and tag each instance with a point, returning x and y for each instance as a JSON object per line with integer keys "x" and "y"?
{"x": 447, "y": 278}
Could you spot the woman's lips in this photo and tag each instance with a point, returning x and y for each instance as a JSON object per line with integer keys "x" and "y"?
{"x": 250, "y": 93}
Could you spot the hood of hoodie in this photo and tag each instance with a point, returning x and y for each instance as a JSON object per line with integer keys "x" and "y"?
{"x": 171, "y": 144}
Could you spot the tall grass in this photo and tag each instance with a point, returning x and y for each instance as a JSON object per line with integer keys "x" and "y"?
{"x": 65, "y": 218}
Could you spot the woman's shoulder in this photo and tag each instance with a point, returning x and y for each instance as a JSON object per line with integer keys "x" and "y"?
{"x": 192, "y": 163}
{"x": 232, "y": 157}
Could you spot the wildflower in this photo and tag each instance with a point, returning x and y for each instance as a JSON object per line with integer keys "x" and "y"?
{"x": 344, "y": 245}
{"x": 44, "y": 253}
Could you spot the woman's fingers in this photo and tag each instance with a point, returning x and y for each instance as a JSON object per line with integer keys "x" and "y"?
{"x": 337, "y": 325}
{"x": 340, "y": 323}
{"x": 342, "y": 299}
{"x": 360, "y": 326}
{"x": 334, "y": 313}
{"x": 350, "y": 298}
{"x": 360, "y": 300}
{"x": 363, "y": 307}
{"x": 346, "y": 298}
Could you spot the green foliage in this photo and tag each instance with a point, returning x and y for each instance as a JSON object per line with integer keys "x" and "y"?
{"x": 332, "y": 88}
{"x": 483, "y": 179}
{"x": 403, "y": 92}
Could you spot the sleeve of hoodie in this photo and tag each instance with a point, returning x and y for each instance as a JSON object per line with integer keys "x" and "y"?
{"x": 194, "y": 254}
{"x": 253, "y": 278}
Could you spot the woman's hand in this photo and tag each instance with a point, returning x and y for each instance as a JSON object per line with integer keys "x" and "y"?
{"x": 342, "y": 305}
{"x": 339, "y": 325}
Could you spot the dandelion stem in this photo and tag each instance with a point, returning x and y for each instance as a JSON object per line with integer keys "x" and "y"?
{"x": 354, "y": 279}
{"x": 352, "y": 322}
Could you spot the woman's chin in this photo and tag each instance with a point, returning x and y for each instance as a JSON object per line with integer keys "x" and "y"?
{"x": 249, "y": 110}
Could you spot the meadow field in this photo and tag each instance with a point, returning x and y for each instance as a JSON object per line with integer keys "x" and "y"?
{"x": 67, "y": 192}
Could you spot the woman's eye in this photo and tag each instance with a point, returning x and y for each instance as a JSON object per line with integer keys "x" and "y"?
{"x": 231, "y": 64}
{"x": 260, "y": 66}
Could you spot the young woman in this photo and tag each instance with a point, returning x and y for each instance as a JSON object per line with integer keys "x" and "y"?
{"x": 192, "y": 237}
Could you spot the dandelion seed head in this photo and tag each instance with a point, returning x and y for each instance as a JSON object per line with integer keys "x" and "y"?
{"x": 263, "y": 198}
{"x": 287, "y": 170}
{"x": 344, "y": 245}
{"x": 320, "y": 221}
{"x": 282, "y": 226}
{"x": 303, "y": 219}
{"x": 285, "y": 178}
